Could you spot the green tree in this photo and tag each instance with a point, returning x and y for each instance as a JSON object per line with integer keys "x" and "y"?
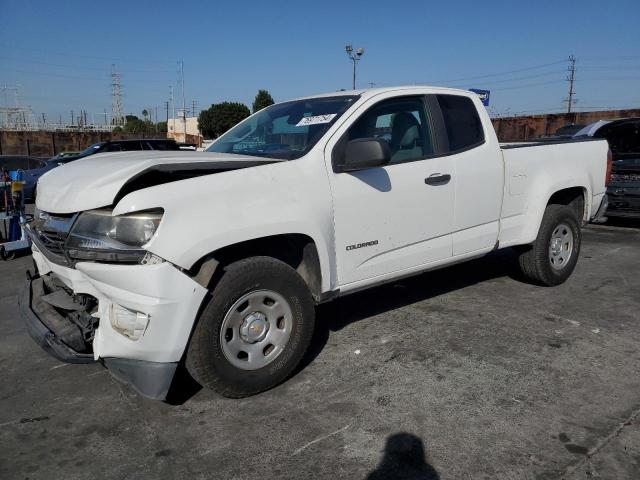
{"x": 136, "y": 126}
{"x": 263, "y": 99}
{"x": 220, "y": 117}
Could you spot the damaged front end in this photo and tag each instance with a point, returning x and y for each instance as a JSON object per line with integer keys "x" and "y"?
{"x": 61, "y": 322}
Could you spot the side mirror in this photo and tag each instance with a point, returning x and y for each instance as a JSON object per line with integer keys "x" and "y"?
{"x": 363, "y": 153}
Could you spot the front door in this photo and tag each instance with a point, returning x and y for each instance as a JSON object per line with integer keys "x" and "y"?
{"x": 397, "y": 217}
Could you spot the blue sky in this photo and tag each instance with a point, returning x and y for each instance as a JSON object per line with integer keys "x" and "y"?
{"x": 60, "y": 53}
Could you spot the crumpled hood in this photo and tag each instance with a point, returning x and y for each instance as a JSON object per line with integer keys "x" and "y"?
{"x": 96, "y": 181}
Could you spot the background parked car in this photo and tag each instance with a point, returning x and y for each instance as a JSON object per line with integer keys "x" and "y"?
{"x": 126, "y": 146}
{"x": 65, "y": 155}
{"x": 33, "y": 169}
{"x": 624, "y": 141}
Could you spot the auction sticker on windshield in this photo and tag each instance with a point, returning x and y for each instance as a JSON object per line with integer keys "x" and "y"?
{"x": 315, "y": 120}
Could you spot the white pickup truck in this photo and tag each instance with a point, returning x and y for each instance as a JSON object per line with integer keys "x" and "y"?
{"x": 215, "y": 260}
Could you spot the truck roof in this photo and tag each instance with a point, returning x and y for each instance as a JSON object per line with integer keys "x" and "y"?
{"x": 370, "y": 92}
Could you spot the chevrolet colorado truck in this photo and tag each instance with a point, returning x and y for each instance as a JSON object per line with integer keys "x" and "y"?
{"x": 146, "y": 261}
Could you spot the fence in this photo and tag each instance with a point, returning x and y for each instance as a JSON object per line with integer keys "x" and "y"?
{"x": 48, "y": 144}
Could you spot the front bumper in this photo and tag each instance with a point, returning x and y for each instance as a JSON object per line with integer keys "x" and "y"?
{"x": 42, "y": 334}
{"x": 168, "y": 297}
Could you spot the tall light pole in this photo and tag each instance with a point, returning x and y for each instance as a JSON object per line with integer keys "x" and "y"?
{"x": 355, "y": 57}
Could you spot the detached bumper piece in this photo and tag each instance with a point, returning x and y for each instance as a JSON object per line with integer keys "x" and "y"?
{"x": 149, "y": 379}
{"x": 59, "y": 321}
{"x": 601, "y": 214}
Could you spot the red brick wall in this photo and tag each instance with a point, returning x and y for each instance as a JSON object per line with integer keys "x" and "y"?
{"x": 525, "y": 128}
{"x": 48, "y": 144}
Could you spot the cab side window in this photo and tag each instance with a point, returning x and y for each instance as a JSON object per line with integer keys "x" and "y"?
{"x": 401, "y": 122}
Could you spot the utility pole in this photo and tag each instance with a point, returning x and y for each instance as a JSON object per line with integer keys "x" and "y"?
{"x": 173, "y": 104}
{"x": 184, "y": 110}
{"x": 117, "y": 116}
{"x": 193, "y": 107}
{"x": 355, "y": 57}
{"x": 571, "y": 79}
{"x": 166, "y": 104}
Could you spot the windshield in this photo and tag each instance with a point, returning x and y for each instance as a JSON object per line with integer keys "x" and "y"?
{"x": 91, "y": 149}
{"x": 286, "y": 130}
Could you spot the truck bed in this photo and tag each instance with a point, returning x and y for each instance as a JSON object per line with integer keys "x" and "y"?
{"x": 539, "y": 142}
{"x": 534, "y": 170}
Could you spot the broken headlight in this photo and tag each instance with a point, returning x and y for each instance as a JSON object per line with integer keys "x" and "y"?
{"x": 99, "y": 235}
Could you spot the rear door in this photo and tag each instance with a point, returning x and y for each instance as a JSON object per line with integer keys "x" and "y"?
{"x": 479, "y": 171}
{"x": 397, "y": 217}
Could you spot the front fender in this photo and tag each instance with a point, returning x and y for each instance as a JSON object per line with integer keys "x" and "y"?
{"x": 206, "y": 213}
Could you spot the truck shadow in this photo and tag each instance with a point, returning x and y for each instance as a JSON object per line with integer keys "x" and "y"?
{"x": 403, "y": 458}
{"x": 336, "y": 315}
{"x": 623, "y": 222}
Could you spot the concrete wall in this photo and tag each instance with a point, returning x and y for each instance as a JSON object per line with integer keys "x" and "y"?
{"x": 48, "y": 144}
{"x": 533, "y": 126}
{"x": 175, "y": 130}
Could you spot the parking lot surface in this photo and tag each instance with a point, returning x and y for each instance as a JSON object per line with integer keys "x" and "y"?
{"x": 465, "y": 372}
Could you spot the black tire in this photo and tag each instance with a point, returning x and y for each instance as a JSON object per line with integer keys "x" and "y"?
{"x": 206, "y": 360}
{"x": 534, "y": 259}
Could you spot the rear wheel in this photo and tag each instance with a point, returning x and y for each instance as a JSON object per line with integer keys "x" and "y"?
{"x": 255, "y": 329}
{"x": 550, "y": 260}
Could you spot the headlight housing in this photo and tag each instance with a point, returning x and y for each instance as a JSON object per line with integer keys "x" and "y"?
{"x": 99, "y": 235}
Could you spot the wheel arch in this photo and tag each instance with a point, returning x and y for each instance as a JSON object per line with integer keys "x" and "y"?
{"x": 300, "y": 251}
{"x": 577, "y": 196}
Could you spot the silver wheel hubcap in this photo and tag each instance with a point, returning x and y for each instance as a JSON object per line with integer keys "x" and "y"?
{"x": 561, "y": 246}
{"x": 256, "y": 329}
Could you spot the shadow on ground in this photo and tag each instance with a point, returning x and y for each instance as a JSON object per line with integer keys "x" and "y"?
{"x": 623, "y": 222}
{"x": 403, "y": 459}
{"x": 338, "y": 314}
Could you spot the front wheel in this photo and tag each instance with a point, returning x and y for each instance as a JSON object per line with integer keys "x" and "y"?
{"x": 550, "y": 260}
{"x": 255, "y": 329}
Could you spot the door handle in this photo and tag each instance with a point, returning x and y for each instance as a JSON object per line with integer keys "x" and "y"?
{"x": 438, "y": 179}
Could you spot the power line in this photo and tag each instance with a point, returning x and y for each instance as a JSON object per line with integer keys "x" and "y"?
{"x": 528, "y": 85}
{"x": 546, "y": 74}
{"x": 497, "y": 74}
{"x": 84, "y": 67}
{"x": 76, "y": 77}
{"x": 69, "y": 54}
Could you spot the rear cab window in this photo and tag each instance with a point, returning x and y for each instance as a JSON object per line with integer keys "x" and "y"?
{"x": 461, "y": 122}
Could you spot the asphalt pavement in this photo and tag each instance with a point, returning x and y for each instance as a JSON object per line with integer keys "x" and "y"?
{"x": 461, "y": 373}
